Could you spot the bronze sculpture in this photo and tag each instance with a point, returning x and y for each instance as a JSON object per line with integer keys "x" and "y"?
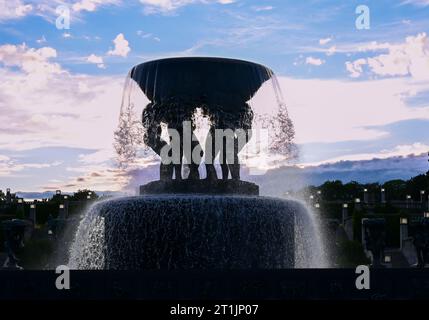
{"x": 220, "y": 87}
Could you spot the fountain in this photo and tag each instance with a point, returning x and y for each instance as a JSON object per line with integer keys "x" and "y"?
{"x": 192, "y": 222}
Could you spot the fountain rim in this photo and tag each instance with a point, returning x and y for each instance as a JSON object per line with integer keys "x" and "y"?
{"x": 207, "y": 59}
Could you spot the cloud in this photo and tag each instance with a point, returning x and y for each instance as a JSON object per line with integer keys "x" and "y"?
{"x": 331, "y": 51}
{"x": 355, "y": 67}
{"x": 91, "y": 5}
{"x": 414, "y": 149}
{"x": 145, "y": 35}
{"x": 98, "y": 177}
{"x": 96, "y": 60}
{"x": 41, "y": 40}
{"x": 262, "y": 8}
{"x": 314, "y": 61}
{"x": 409, "y": 58}
{"x": 166, "y": 6}
{"x": 338, "y": 110}
{"x": 420, "y": 3}
{"x": 325, "y": 41}
{"x": 121, "y": 46}
{"x": 10, "y": 166}
{"x": 45, "y": 105}
{"x": 36, "y": 63}
{"x": 14, "y": 9}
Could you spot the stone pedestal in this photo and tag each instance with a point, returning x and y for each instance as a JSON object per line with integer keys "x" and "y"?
{"x": 220, "y": 187}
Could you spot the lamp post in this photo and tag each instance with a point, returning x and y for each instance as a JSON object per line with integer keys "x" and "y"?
{"x": 365, "y": 196}
{"x": 66, "y": 205}
{"x": 408, "y": 201}
{"x": 345, "y": 213}
{"x": 422, "y": 196}
{"x": 403, "y": 231}
{"x": 357, "y": 204}
{"x": 33, "y": 213}
{"x": 20, "y": 212}
{"x": 62, "y": 212}
{"x": 387, "y": 259}
{"x": 383, "y": 195}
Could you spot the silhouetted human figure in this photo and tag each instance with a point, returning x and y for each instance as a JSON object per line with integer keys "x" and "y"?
{"x": 421, "y": 242}
{"x": 232, "y": 124}
{"x": 14, "y": 240}
{"x": 375, "y": 235}
{"x": 173, "y": 113}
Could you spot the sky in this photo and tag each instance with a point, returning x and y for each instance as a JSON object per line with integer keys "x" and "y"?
{"x": 353, "y": 94}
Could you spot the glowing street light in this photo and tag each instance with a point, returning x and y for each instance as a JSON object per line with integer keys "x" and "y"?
{"x": 383, "y": 195}
{"x": 404, "y": 221}
{"x": 365, "y": 195}
{"x": 422, "y": 196}
{"x": 345, "y": 205}
{"x": 408, "y": 200}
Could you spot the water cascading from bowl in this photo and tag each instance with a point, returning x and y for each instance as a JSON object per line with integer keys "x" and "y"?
{"x": 193, "y": 222}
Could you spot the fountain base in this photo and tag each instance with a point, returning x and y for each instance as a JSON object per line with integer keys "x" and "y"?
{"x": 204, "y": 232}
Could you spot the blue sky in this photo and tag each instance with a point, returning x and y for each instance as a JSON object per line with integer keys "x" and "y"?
{"x": 352, "y": 94}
